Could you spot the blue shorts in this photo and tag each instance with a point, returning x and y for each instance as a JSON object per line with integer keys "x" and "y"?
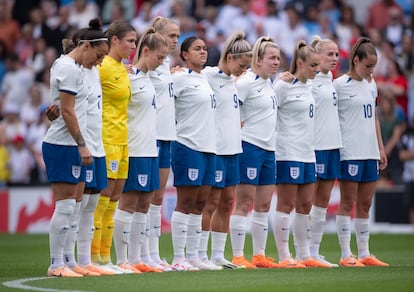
{"x": 96, "y": 177}
{"x": 143, "y": 174}
{"x": 328, "y": 164}
{"x": 294, "y": 172}
{"x": 164, "y": 153}
{"x": 257, "y": 166}
{"x": 63, "y": 163}
{"x": 227, "y": 171}
{"x": 191, "y": 167}
{"x": 360, "y": 170}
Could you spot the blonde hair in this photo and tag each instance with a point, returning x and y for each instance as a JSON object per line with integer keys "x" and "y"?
{"x": 236, "y": 45}
{"x": 150, "y": 39}
{"x": 302, "y": 51}
{"x": 317, "y": 43}
{"x": 259, "y": 50}
{"x": 159, "y": 23}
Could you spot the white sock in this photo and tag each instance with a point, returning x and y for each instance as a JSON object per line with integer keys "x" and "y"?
{"x": 69, "y": 250}
{"x": 179, "y": 228}
{"x": 237, "y": 234}
{"x": 301, "y": 231}
{"x": 145, "y": 255}
{"x": 58, "y": 230}
{"x": 218, "y": 244}
{"x": 362, "y": 236}
{"x": 343, "y": 225}
{"x": 154, "y": 236}
{"x": 193, "y": 236}
{"x": 281, "y": 227}
{"x": 202, "y": 249}
{"x": 259, "y": 226}
{"x": 318, "y": 221}
{"x": 137, "y": 237}
{"x": 86, "y": 229}
{"x": 122, "y": 232}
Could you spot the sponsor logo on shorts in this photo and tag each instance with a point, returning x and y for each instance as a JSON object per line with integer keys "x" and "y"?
{"x": 320, "y": 168}
{"x": 353, "y": 169}
{"x": 142, "y": 179}
{"x": 251, "y": 173}
{"x": 89, "y": 175}
{"x": 76, "y": 171}
{"x": 193, "y": 174}
{"x": 219, "y": 176}
{"x": 294, "y": 172}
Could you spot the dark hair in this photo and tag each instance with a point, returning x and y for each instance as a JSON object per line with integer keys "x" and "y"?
{"x": 361, "y": 49}
{"x": 186, "y": 44}
{"x": 118, "y": 28}
{"x": 93, "y": 34}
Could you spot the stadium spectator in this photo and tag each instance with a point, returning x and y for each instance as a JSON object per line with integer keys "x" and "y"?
{"x": 16, "y": 83}
{"x": 9, "y": 27}
{"x": 378, "y": 14}
{"x": 21, "y": 162}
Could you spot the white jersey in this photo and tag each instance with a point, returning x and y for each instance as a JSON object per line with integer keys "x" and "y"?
{"x": 356, "y": 108}
{"x": 258, "y": 110}
{"x": 93, "y": 134}
{"x": 163, "y": 84}
{"x": 295, "y": 139}
{"x": 194, "y": 111}
{"x": 327, "y": 130}
{"x": 228, "y": 139}
{"x": 142, "y": 117}
{"x": 67, "y": 76}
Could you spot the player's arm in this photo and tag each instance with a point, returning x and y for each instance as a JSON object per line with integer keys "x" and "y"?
{"x": 67, "y": 103}
{"x": 383, "y": 157}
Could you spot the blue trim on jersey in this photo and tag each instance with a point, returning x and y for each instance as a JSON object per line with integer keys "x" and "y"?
{"x": 190, "y": 70}
{"x": 136, "y": 73}
{"x": 68, "y": 91}
{"x": 349, "y": 79}
{"x": 257, "y": 77}
{"x": 295, "y": 81}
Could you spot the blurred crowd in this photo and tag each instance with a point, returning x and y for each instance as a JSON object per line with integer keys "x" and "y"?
{"x": 31, "y": 32}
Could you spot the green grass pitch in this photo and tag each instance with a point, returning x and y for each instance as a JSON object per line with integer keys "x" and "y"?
{"x": 26, "y": 256}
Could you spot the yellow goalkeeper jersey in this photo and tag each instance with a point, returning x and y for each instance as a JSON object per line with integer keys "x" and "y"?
{"x": 116, "y": 91}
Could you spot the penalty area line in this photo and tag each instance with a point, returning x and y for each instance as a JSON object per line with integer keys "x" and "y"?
{"x": 20, "y": 284}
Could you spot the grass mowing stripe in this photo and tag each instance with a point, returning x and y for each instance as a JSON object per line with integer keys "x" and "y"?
{"x": 26, "y": 256}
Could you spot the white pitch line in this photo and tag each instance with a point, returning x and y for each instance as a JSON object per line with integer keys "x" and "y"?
{"x": 19, "y": 284}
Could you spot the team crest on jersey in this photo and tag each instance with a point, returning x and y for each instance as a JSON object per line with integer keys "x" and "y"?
{"x": 89, "y": 175}
{"x": 251, "y": 173}
{"x": 113, "y": 164}
{"x": 373, "y": 94}
{"x": 193, "y": 174}
{"x": 76, "y": 171}
{"x": 294, "y": 172}
{"x": 353, "y": 169}
{"x": 320, "y": 168}
{"x": 219, "y": 176}
{"x": 142, "y": 179}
